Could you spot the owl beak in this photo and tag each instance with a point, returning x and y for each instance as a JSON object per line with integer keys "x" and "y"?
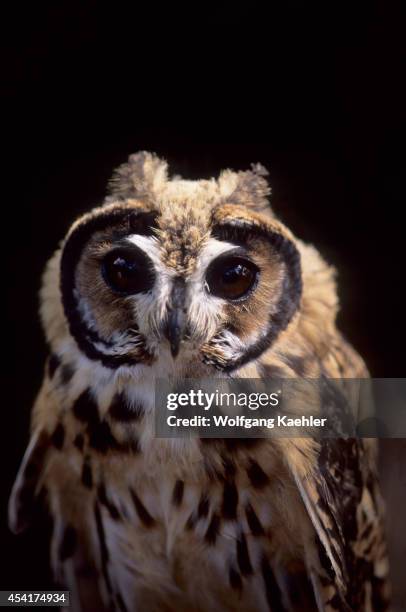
{"x": 176, "y": 321}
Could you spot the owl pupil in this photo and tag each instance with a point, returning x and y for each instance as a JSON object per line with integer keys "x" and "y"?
{"x": 231, "y": 278}
{"x": 127, "y": 271}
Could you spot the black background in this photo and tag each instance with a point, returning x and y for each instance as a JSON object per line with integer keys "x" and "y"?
{"x": 314, "y": 91}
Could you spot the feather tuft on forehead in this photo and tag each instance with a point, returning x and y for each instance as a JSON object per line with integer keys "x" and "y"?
{"x": 141, "y": 177}
{"x": 145, "y": 177}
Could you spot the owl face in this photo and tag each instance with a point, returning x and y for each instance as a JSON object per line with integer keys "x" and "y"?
{"x": 177, "y": 270}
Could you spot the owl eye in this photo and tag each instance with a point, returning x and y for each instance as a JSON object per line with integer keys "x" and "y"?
{"x": 128, "y": 271}
{"x": 231, "y": 278}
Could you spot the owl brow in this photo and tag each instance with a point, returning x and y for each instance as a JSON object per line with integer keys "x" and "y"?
{"x": 236, "y": 234}
{"x": 123, "y": 241}
{"x": 238, "y": 251}
{"x": 104, "y": 246}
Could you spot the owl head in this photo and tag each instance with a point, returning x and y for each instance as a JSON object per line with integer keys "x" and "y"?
{"x": 199, "y": 275}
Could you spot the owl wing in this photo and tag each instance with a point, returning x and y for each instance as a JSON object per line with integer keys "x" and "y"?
{"x": 27, "y": 489}
{"x": 347, "y": 564}
{"x": 71, "y": 552}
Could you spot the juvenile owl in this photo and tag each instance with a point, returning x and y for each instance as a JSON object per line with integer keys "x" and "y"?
{"x": 176, "y": 279}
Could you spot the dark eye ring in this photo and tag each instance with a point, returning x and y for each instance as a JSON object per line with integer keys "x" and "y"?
{"x": 128, "y": 270}
{"x": 232, "y": 277}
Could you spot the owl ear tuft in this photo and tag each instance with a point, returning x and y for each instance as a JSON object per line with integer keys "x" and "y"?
{"x": 249, "y": 188}
{"x": 142, "y": 176}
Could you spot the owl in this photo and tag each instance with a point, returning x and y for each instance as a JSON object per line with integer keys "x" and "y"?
{"x": 176, "y": 279}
